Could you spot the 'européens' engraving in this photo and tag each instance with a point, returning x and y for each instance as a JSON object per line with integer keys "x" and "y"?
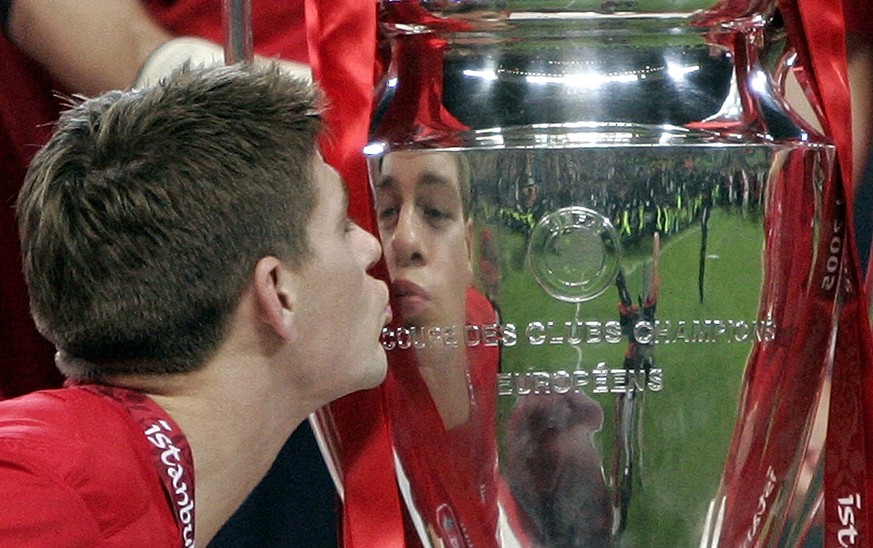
{"x": 599, "y": 380}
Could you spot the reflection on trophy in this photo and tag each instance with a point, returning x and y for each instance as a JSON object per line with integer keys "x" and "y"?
{"x": 441, "y": 387}
{"x": 607, "y": 240}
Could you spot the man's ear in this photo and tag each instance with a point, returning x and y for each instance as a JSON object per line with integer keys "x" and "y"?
{"x": 274, "y": 294}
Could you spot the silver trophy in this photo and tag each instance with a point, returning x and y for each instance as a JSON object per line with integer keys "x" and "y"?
{"x": 611, "y": 250}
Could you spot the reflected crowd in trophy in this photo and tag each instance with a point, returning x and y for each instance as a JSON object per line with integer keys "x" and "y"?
{"x": 625, "y": 247}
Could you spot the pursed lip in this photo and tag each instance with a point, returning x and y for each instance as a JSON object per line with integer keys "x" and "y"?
{"x": 389, "y": 314}
{"x": 410, "y": 297}
{"x": 404, "y": 289}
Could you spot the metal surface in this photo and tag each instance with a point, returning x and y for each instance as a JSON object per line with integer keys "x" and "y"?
{"x": 601, "y": 357}
{"x": 237, "y": 21}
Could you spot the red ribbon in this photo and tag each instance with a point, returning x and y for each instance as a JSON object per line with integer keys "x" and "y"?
{"x": 786, "y": 378}
{"x": 341, "y": 37}
{"x": 817, "y": 29}
{"x": 416, "y": 113}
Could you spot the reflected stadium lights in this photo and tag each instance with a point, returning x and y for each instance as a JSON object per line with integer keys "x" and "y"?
{"x": 679, "y": 72}
{"x": 375, "y": 148}
{"x": 758, "y": 81}
{"x": 494, "y": 140}
{"x": 487, "y": 75}
{"x": 593, "y": 138}
{"x": 583, "y": 80}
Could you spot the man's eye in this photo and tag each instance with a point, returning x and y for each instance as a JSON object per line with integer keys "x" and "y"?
{"x": 436, "y": 213}
{"x": 387, "y": 212}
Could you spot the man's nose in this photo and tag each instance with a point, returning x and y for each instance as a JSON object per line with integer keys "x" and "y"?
{"x": 373, "y": 249}
{"x": 367, "y": 247}
{"x": 406, "y": 242}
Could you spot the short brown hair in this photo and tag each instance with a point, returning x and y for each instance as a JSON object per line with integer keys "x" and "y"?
{"x": 143, "y": 217}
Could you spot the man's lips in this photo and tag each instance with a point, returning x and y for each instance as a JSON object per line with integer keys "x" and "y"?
{"x": 404, "y": 289}
{"x": 409, "y": 296}
{"x": 387, "y": 313}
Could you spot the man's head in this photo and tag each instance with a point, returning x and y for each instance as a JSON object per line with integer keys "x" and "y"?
{"x": 145, "y": 215}
{"x": 422, "y": 202}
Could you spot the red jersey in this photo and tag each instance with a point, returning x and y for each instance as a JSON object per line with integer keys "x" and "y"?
{"x": 76, "y": 469}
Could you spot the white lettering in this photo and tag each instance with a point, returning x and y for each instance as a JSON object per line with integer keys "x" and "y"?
{"x": 171, "y": 458}
{"x": 846, "y": 506}
{"x": 832, "y": 264}
{"x": 758, "y": 518}
{"x": 579, "y": 333}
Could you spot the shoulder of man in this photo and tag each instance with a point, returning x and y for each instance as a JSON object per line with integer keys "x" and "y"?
{"x": 79, "y": 471}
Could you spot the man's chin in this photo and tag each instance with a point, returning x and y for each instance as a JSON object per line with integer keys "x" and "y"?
{"x": 376, "y": 372}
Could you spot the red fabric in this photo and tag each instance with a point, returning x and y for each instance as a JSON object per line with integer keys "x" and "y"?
{"x": 277, "y": 27}
{"x": 27, "y": 109}
{"x": 342, "y": 42}
{"x": 453, "y": 473}
{"x": 819, "y": 31}
{"x": 80, "y": 473}
{"x": 170, "y": 452}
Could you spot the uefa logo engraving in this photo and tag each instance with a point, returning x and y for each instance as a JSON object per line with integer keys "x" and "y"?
{"x": 574, "y": 254}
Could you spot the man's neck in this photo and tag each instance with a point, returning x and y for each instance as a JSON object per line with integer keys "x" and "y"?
{"x": 235, "y": 421}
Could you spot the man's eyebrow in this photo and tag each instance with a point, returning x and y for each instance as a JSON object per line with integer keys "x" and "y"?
{"x": 430, "y": 178}
{"x": 426, "y": 178}
{"x": 386, "y": 181}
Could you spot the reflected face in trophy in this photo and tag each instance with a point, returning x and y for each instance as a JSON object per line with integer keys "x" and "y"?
{"x": 426, "y": 235}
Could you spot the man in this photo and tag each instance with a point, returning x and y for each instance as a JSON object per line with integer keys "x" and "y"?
{"x": 52, "y": 48}
{"x": 189, "y": 253}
